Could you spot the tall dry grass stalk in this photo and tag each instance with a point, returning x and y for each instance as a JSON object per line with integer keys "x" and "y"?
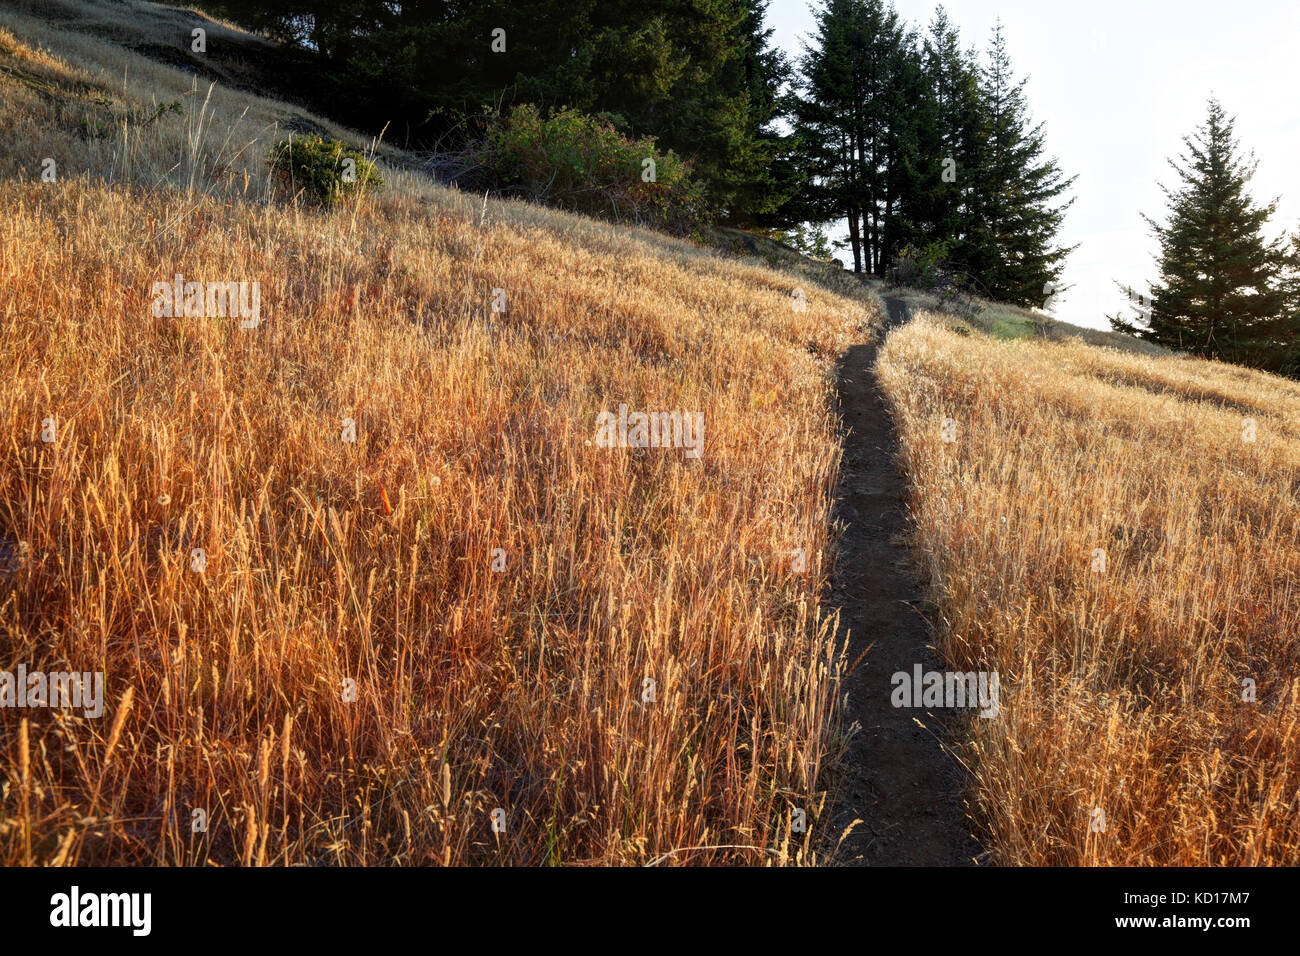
{"x": 1124, "y": 737}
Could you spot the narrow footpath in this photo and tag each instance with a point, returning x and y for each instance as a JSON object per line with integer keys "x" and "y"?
{"x": 897, "y": 779}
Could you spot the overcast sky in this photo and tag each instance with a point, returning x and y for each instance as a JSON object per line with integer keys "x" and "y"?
{"x": 1118, "y": 83}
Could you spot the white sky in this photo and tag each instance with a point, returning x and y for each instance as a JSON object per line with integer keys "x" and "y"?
{"x": 1118, "y": 83}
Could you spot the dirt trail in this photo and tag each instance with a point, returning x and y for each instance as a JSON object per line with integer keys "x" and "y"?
{"x": 898, "y": 780}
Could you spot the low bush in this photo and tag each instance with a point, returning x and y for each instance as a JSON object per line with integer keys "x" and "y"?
{"x": 928, "y": 270}
{"x": 582, "y": 163}
{"x": 323, "y": 170}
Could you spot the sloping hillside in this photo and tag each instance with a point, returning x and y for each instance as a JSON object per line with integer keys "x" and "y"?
{"x": 364, "y": 582}
{"x": 1116, "y": 536}
{"x": 351, "y": 511}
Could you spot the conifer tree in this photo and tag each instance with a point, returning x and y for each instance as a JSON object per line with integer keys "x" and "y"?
{"x": 951, "y": 127}
{"x": 911, "y": 168}
{"x": 1222, "y": 291}
{"x": 1290, "y": 364}
{"x": 847, "y": 85}
{"x": 1014, "y": 195}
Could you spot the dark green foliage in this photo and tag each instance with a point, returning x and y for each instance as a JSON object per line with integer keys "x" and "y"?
{"x": 849, "y": 90}
{"x": 581, "y": 163}
{"x": 808, "y": 239}
{"x": 1290, "y": 362}
{"x": 929, "y": 268}
{"x": 912, "y": 141}
{"x": 1015, "y": 213}
{"x": 922, "y": 267}
{"x": 698, "y": 75}
{"x": 950, "y": 123}
{"x": 322, "y": 170}
{"x": 1224, "y": 290}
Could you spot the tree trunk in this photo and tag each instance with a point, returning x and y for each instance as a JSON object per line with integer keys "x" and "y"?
{"x": 855, "y": 239}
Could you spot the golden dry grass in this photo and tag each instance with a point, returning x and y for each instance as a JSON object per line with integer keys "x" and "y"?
{"x": 1122, "y": 689}
{"x": 372, "y": 561}
{"x": 1004, "y": 320}
{"x": 523, "y": 689}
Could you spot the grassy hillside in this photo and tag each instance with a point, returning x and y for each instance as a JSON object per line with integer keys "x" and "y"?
{"x": 427, "y": 592}
{"x": 1116, "y": 535}
{"x": 1001, "y": 320}
{"x": 71, "y": 93}
{"x": 457, "y": 612}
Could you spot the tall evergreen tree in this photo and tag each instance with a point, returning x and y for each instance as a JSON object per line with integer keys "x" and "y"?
{"x": 759, "y": 191}
{"x": 848, "y": 81}
{"x": 1221, "y": 291}
{"x": 910, "y": 169}
{"x": 1015, "y": 214}
{"x": 951, "y": 126}
{"x": 720, "y": 111}
{"x": 1290, "y": 364}
{"x": 825, "y": 114}
{"x": 914, "y": 142}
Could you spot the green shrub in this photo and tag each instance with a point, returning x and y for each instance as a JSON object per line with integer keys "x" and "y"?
{"x": 928, "y": 270}
{"x": 920, "y": 268}
{"x": 324, "y": 170}
{"x": 583, "y": 164}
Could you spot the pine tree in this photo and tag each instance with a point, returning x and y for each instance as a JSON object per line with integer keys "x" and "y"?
{"x": 719, "y": 113}
{"x": 1221, "y": 291}
{"x": 759, "y": 191}
{"x": 915, "y": 143}
{"x": 825, "y": 116}
{"x": 1290, "y": 363}
{"x": 952, "y": 150}
{"x": 911, "y": 168}
{"x": 1014, "y": 213}
{"x": 847, "y": 85}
